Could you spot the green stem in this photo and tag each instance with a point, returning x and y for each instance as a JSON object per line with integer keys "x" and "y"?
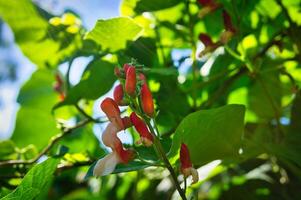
{"x": 83, "y": 112}
{"x": 157, "y": 144}
{"x": 156, "y": 127}
{"x": 185, "y": 185}
{"x": 233, "y": 54}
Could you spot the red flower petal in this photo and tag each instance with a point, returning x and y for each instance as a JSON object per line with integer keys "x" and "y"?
{"x": 185, "y": 157}
{"x": 111, "y": 109}
{"x": 125, "y": 155}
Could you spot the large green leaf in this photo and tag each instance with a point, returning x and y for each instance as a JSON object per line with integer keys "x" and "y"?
{"x": 144, "y": 50}
{"x": 35, "y": 182}
{"x": 30, "y": 29}
{"x": 35, "y": 124}
{"x": 211, "y": 134}
{"x": 113, "y": 34}
{"x": 97, "y": 79}
{"x": 265, "y": 95}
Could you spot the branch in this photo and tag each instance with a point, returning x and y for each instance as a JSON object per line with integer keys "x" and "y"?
{"x": 83, "y": 112}
{"x": 269, "y": 44}
{"x": 52, "y": 142}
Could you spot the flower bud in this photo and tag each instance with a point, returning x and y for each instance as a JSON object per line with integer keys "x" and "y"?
{"x": 229, "y": 29}
{"x": 205, "y": 39}
{"x": 210, "y": 46}
{"x": 146, "y": 137}
{"x": 111, "y": 109}
{"x": 142, "y": 78}
{"x": 118, "y": 95}
{"x": 147, "y": 102}
{"x": 117, "y": 72}
{"x": 186, "y": 165}
{"x": 185, "y": 157}
{"x": 228, "y": 22}
{"x": 126, "y": 67}
{"x": 130, "y": 81}
{"x": 208, "y": 7}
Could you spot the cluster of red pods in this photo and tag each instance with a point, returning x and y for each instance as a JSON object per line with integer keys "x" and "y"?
{"x": 133, "y": 86}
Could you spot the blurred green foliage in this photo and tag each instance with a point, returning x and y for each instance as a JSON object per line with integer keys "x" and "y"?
{"x": 239, "y": 104}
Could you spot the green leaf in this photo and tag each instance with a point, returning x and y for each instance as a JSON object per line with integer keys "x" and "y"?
{"x": 97, "y": 80}
{"x": 146, "y": 5}
{"x": 113, "y": 34}
{"x": 35, "y": 181}
{"x": 144, "y": 50}
{"x": 150, "y": 154}
{"x": 35, "y": 124}
{"x": 30, "y": 29}
{"x": 131, "y": 166}
{"x": 211, "y": 134}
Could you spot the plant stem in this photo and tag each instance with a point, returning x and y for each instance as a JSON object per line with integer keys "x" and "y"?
{"x": 156, "y": 127}
{"x": 83, "y": 112}
{"x": 157, "y": 144}
{"x": 185, "y": 184}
